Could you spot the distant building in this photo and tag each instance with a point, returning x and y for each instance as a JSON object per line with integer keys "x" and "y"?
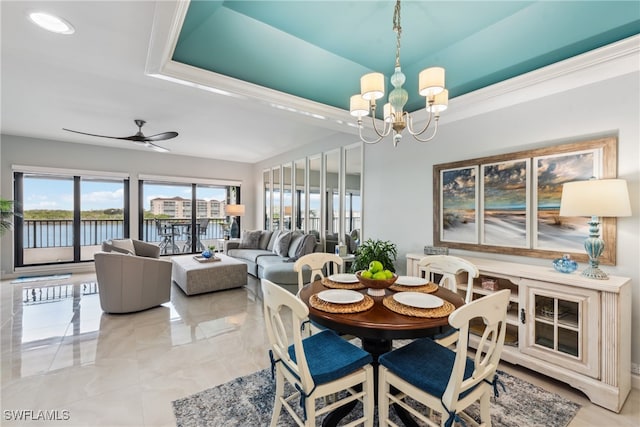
{"x": 179, "y": 207}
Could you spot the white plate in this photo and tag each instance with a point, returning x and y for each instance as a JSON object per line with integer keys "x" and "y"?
{"x": 411, "y": 281}
{"x": 340, "y": 296}
{"x": 418, "y": 299}
{"x": 343, "y": 278}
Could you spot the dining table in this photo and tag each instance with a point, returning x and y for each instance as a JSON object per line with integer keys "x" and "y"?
{"x": 378, "y": 326}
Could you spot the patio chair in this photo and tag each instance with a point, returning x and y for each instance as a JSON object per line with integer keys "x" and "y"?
{"x": 167, "y": 234}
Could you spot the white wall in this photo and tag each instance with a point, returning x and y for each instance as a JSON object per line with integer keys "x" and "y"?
{"x": 16, "y": 150}
{"x": 402, "y": 176}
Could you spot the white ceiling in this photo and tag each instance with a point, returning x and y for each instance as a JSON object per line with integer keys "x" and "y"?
{"x": 94, "y": 81}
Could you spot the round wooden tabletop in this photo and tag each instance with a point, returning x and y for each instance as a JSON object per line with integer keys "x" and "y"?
{"x": 379, "y": 323}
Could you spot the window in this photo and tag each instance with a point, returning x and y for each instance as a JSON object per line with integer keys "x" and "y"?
{"x": 67, "y": 214}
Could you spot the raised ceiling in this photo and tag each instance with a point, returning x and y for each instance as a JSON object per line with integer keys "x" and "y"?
{"x": 318, "y": 50}
{"x": 276, "y": 75}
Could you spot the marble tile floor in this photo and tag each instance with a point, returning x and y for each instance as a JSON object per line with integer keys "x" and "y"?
{"x": 88, "y": 368}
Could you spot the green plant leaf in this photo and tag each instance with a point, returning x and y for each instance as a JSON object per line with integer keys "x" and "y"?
{"x": 375, "y": 250}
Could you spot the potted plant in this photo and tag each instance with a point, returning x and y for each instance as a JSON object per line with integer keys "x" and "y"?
{"x": 6, "y": 215}
{"x": 375, "y": 250}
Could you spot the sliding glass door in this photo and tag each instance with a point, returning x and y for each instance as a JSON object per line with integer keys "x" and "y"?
{"x": 66, "y": 217}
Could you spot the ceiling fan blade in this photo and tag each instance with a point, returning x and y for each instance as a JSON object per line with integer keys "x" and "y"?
{"x": 161, "y": 136}
{"x": 100, "y": 136}
{"x": 156, "y": 147}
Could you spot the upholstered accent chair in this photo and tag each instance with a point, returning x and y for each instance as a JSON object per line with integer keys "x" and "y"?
{"x": 131, "y": 276}
{"x": 443, "y": 379}
{"x": 317, "y": 366}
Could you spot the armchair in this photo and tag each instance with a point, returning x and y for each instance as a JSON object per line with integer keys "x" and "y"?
{"x": 131, "y": 281}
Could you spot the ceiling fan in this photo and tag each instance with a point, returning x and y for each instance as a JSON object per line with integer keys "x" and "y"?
{"x": 139, "y": 137}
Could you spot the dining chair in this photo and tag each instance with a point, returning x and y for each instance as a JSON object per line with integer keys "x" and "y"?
{"x": 449, "y": 267}
{"x": 443, "y": 379}
{"x": 319, "y": 263}
{"x": 317, "y": 366}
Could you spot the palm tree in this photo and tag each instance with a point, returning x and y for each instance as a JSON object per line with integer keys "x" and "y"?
{"x": 6, "y": 215}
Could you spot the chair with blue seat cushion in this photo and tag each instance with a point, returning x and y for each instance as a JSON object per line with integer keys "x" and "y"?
{"x": 317, "y": 366}
{"x": 318, "y": 263}
{"x": 442, "y": 379}
{"x": 450, "y": 267}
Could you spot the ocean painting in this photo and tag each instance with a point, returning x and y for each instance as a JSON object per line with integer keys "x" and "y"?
{"x": 459, "y": 205}
{"x": 505, "y": 215}
{"x": 552, "y": 231}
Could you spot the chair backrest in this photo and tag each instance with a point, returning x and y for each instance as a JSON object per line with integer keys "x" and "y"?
{"x": 285, "y": 330}
{"x": 203, "y": 224}
{"x": 449, "y": 267}
{"x": 316, "y": 261}
{"x": 492, "y": 309}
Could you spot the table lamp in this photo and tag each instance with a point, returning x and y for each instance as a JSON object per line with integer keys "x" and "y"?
{"x": 233, "y": 211}
{"x": 595, "y": 198}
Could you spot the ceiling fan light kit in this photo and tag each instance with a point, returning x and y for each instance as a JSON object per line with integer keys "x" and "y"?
{"x": 430, "y": 85}
{"x": 139, "y": 137}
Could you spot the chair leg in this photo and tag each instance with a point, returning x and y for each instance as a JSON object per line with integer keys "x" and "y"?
{"x": 485, "y": 412}
{"x": 279, "y": 394}
{"x": 383, "y": 399}
{"x": 369, "y": 399}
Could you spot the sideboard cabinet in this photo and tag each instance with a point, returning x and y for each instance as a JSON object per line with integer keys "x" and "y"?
{"x": 566, "y": 326}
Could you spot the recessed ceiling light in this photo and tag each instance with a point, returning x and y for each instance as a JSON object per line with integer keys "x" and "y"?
{"x": 52, "y": 23}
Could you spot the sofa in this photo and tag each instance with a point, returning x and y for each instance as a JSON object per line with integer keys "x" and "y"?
{"x": 131, "y": 277}
{"x": 271, "y": 254}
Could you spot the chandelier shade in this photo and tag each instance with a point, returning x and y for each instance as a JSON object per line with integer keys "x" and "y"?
{"x": 431, "y": 85}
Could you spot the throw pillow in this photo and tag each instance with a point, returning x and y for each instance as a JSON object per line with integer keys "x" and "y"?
{"x": 108, "y": 247}
{"x": 308, "y": 246}
{"x": 250, "y": 239}
{"x": 296, "y": 241}
{"x": 281, "y": 245}
{"x": 272, "y": 240}
{"x": 126, "y": 244}
{"x": 265, "y": 237}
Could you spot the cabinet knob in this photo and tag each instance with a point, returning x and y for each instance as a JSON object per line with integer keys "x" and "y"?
{"x": 522, "y": 316}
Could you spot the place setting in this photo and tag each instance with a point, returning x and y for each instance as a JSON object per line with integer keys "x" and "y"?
{"x": 341, "y": 301}
{"x": 418, "y": 304}
{"x": 413, "y": 284}
{"x": 342, "y": 281}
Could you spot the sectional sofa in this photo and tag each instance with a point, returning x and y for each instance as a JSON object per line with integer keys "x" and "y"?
{"x": 271, "y": 254}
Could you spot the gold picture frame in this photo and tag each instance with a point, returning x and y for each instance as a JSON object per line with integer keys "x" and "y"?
{"x": 478, "y": 203}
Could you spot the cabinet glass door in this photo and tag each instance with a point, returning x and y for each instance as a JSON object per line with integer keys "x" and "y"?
{"x": 562, "y": 325}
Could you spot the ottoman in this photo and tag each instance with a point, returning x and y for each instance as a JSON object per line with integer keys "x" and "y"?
{"x": 195, "y": 277}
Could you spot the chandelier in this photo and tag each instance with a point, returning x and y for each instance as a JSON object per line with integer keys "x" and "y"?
{"x": 430, "y": 85}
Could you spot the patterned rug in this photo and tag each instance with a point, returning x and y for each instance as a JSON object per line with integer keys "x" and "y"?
{"x": 249, "y": 400}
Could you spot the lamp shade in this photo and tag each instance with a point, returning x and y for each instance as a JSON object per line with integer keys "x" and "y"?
{"x": 596, "y": 197}
{"x": 358, "y": 106}
{"x": 372, "y": 86}
{"x": 234, "y": 210}
{"x": 431, "y": 81}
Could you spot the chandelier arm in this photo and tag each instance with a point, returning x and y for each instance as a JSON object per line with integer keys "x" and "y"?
{"x": 363, "y": 139}
{"x": 410, "y": 124}
{"x": 435, "y": 131}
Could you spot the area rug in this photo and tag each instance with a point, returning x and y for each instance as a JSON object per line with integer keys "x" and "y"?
{"x": 248, "y": 401}
{"x": 29, "y": 279}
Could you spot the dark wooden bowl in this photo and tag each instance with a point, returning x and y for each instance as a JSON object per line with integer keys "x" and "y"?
{"x": 376, "y": 283}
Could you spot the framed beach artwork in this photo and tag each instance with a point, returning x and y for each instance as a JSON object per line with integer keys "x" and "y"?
{"x": 504, "y": 209}
{"x": 510, "y": 203}
{"x": 459, "y": 201}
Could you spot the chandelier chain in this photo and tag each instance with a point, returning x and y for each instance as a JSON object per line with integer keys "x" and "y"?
{"x": 398, "y": 30}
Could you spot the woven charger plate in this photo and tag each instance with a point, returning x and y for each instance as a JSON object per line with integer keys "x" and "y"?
{"x": 430, "y": 313}
{"x": 427, "y": 289}
{"x": 330, "y": 307}
{"x": 338, "y": 285}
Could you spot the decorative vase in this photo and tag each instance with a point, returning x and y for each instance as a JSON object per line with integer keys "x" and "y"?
{"x": 565, "y": 264}
{"x": 207, "y": 254}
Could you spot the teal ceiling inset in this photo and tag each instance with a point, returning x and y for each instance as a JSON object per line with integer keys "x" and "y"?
{"x": 319, "y": 49}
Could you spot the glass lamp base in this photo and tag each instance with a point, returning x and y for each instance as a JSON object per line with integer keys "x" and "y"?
{"x": 595, "y": 273}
